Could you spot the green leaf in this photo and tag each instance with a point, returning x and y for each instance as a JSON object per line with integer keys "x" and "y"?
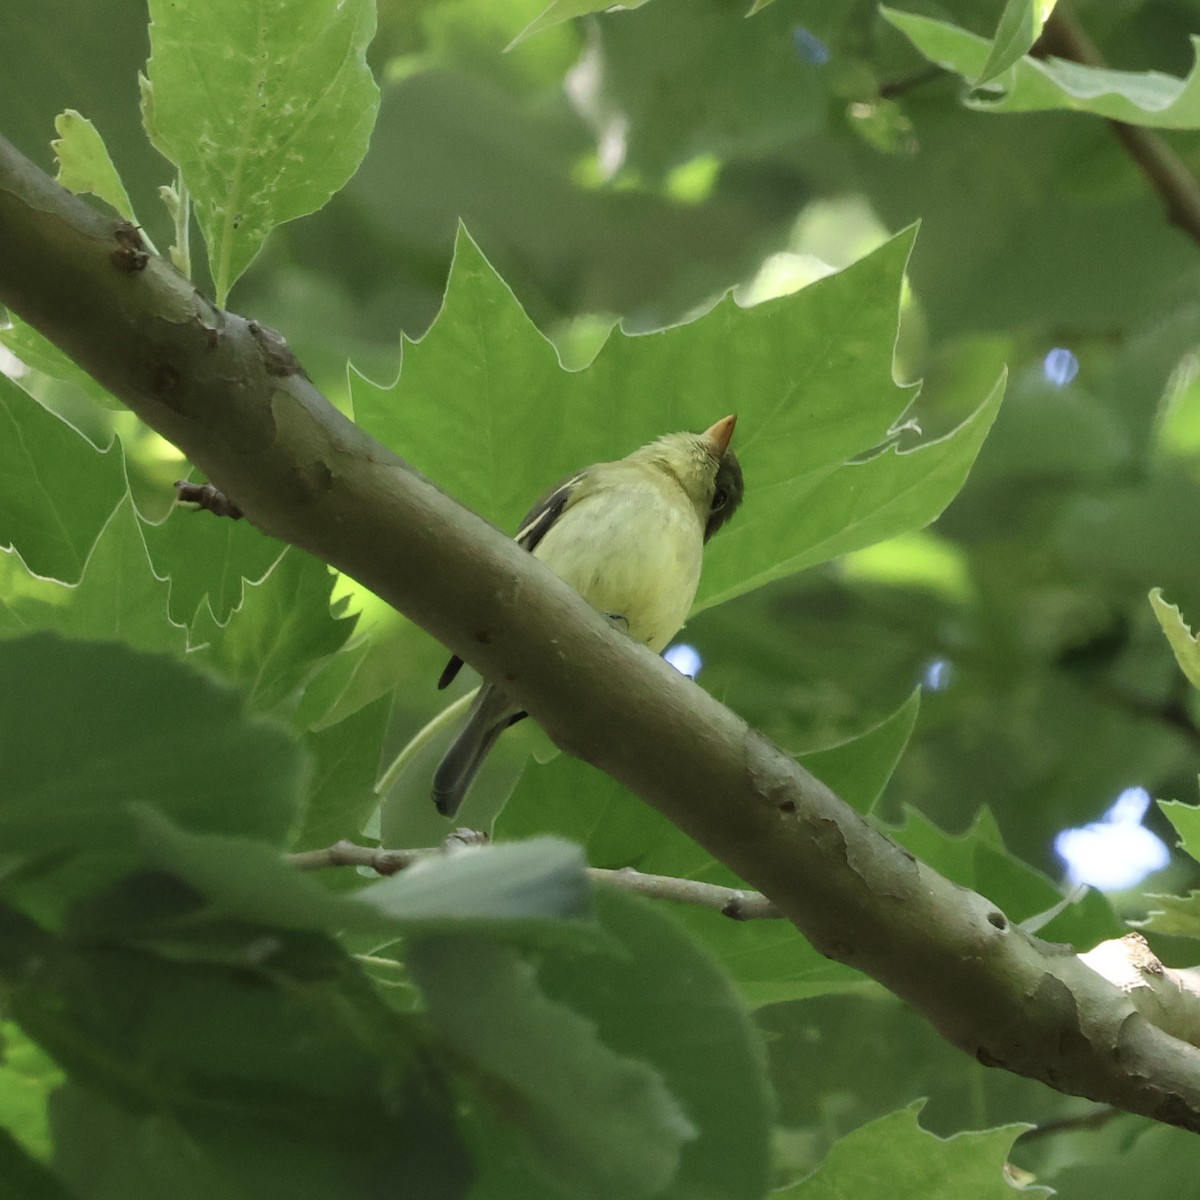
{"x": 895, "y": 1158}
{"x": 601, "y": 1122}
{"x": 120, "y": 598}
{"x": 810, "y": 376}
{"x": 1184, "y": 644}
{"x": 559, "y": 11}
{"x": 1032, "y": 85}
{"x": 282, "y": 632}
{"x": 24, "y": 1177}
{"x": 342, "y": 793}
{"x": 27, "y": 1077}
{"x": 1020, "y": 26}
{"x": 207, "y": 558}
{"x": 858, "y": 769}
{"x": 1178, "y": 916}
{"x": 56, "y": 489}
{"x": 84, "y": 164}
{"x": 1186, "y": 819}
{"x": 95, "y": 728}
{"x": 286, "y": 1073}
{"x": 528, "y": 886}
{"x": 42, "y": 355}
{"x": 266, "y": 108}
{"x": 978, "y": 860}
{"x": 667, "y": 1002}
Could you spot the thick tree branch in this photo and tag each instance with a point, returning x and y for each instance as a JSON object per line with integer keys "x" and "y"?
{"x": 1064, "y": 37}
{"x": 230, "y": 395}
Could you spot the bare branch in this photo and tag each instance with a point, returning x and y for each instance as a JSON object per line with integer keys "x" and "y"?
{"x": 302, "y": 472}
{"x": 735, "y": 903}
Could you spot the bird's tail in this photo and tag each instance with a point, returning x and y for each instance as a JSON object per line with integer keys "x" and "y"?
{"x": 490, "y": 715}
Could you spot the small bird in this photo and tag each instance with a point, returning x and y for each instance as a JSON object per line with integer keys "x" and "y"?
{"x": 629, "y": 537}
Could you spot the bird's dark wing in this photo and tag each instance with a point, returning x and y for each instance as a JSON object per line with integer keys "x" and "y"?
{"x": 533, "y": 528}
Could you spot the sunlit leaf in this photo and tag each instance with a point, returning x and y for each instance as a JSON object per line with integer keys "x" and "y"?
{"x": 84, "y": 164}
{"x": 266, "y": 108}
{"x": 1032, "y": 85}
{"x": 1020, "y": 26}
{"x": 1184, "y": 643}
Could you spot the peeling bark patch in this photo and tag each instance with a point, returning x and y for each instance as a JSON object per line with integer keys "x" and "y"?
{"x": 277, "y": 356}
{"x": 1057, "y": 1001}
{"x": 131, "y": 255}
{"x": 315, "y": 481}
{"x": 827, "y": 835}
{"x": 484, "y": 637}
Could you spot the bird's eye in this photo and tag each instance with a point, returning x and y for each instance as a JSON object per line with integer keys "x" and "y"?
{"x": 719, "y": 500}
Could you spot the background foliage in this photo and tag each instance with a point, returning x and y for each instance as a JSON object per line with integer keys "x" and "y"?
{"x": 185, "y": 1014}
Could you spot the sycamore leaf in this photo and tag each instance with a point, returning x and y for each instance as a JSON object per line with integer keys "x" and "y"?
{"x": 266, "y": 109}
{"x": 895, "y": 1158}
{"x": 1033, "y": 85}
{"x": 1184, "y": 643}
{"x": 57, "y": 490}
{"x": 94, "y": 728}
{"x": 482, "y": 406}
{"x": 84, "y": 164}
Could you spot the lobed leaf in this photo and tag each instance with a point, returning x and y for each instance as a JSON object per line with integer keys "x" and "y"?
{"x": 84, "y": 164}
{"x": 482, "y": 406}
{"x": 1184, "y": 644}
{"x": 895, "y": 1158}
{"x": 1035, "y": 85}
{"x": 57, "y": 491}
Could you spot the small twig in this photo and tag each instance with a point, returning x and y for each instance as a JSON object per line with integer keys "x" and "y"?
{"x": 734, "y": 903}
{"x": 1065, "y": 38}
{"x": 208, "y": 497}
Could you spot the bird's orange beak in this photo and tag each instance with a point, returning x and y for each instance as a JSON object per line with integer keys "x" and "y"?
{"x": 721, "y": 434}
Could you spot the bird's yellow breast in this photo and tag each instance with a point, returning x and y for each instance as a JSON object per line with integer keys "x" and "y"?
{"x": 632, "y": 550}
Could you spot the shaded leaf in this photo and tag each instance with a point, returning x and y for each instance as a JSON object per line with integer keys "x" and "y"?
{"x": 894, "y": 1157}
{"x": 602, "y": 1122}
{"x": 56, "y": 489}
{"x": 858, "y": 770}
{"x": 281, "y": 633}
{"x": 206, "y": 557}
{"x": 529, "y": 885}
{"x": 89, "y": 729}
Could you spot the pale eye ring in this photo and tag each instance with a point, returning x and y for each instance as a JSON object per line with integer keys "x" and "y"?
{"x": 719, "y": 500}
